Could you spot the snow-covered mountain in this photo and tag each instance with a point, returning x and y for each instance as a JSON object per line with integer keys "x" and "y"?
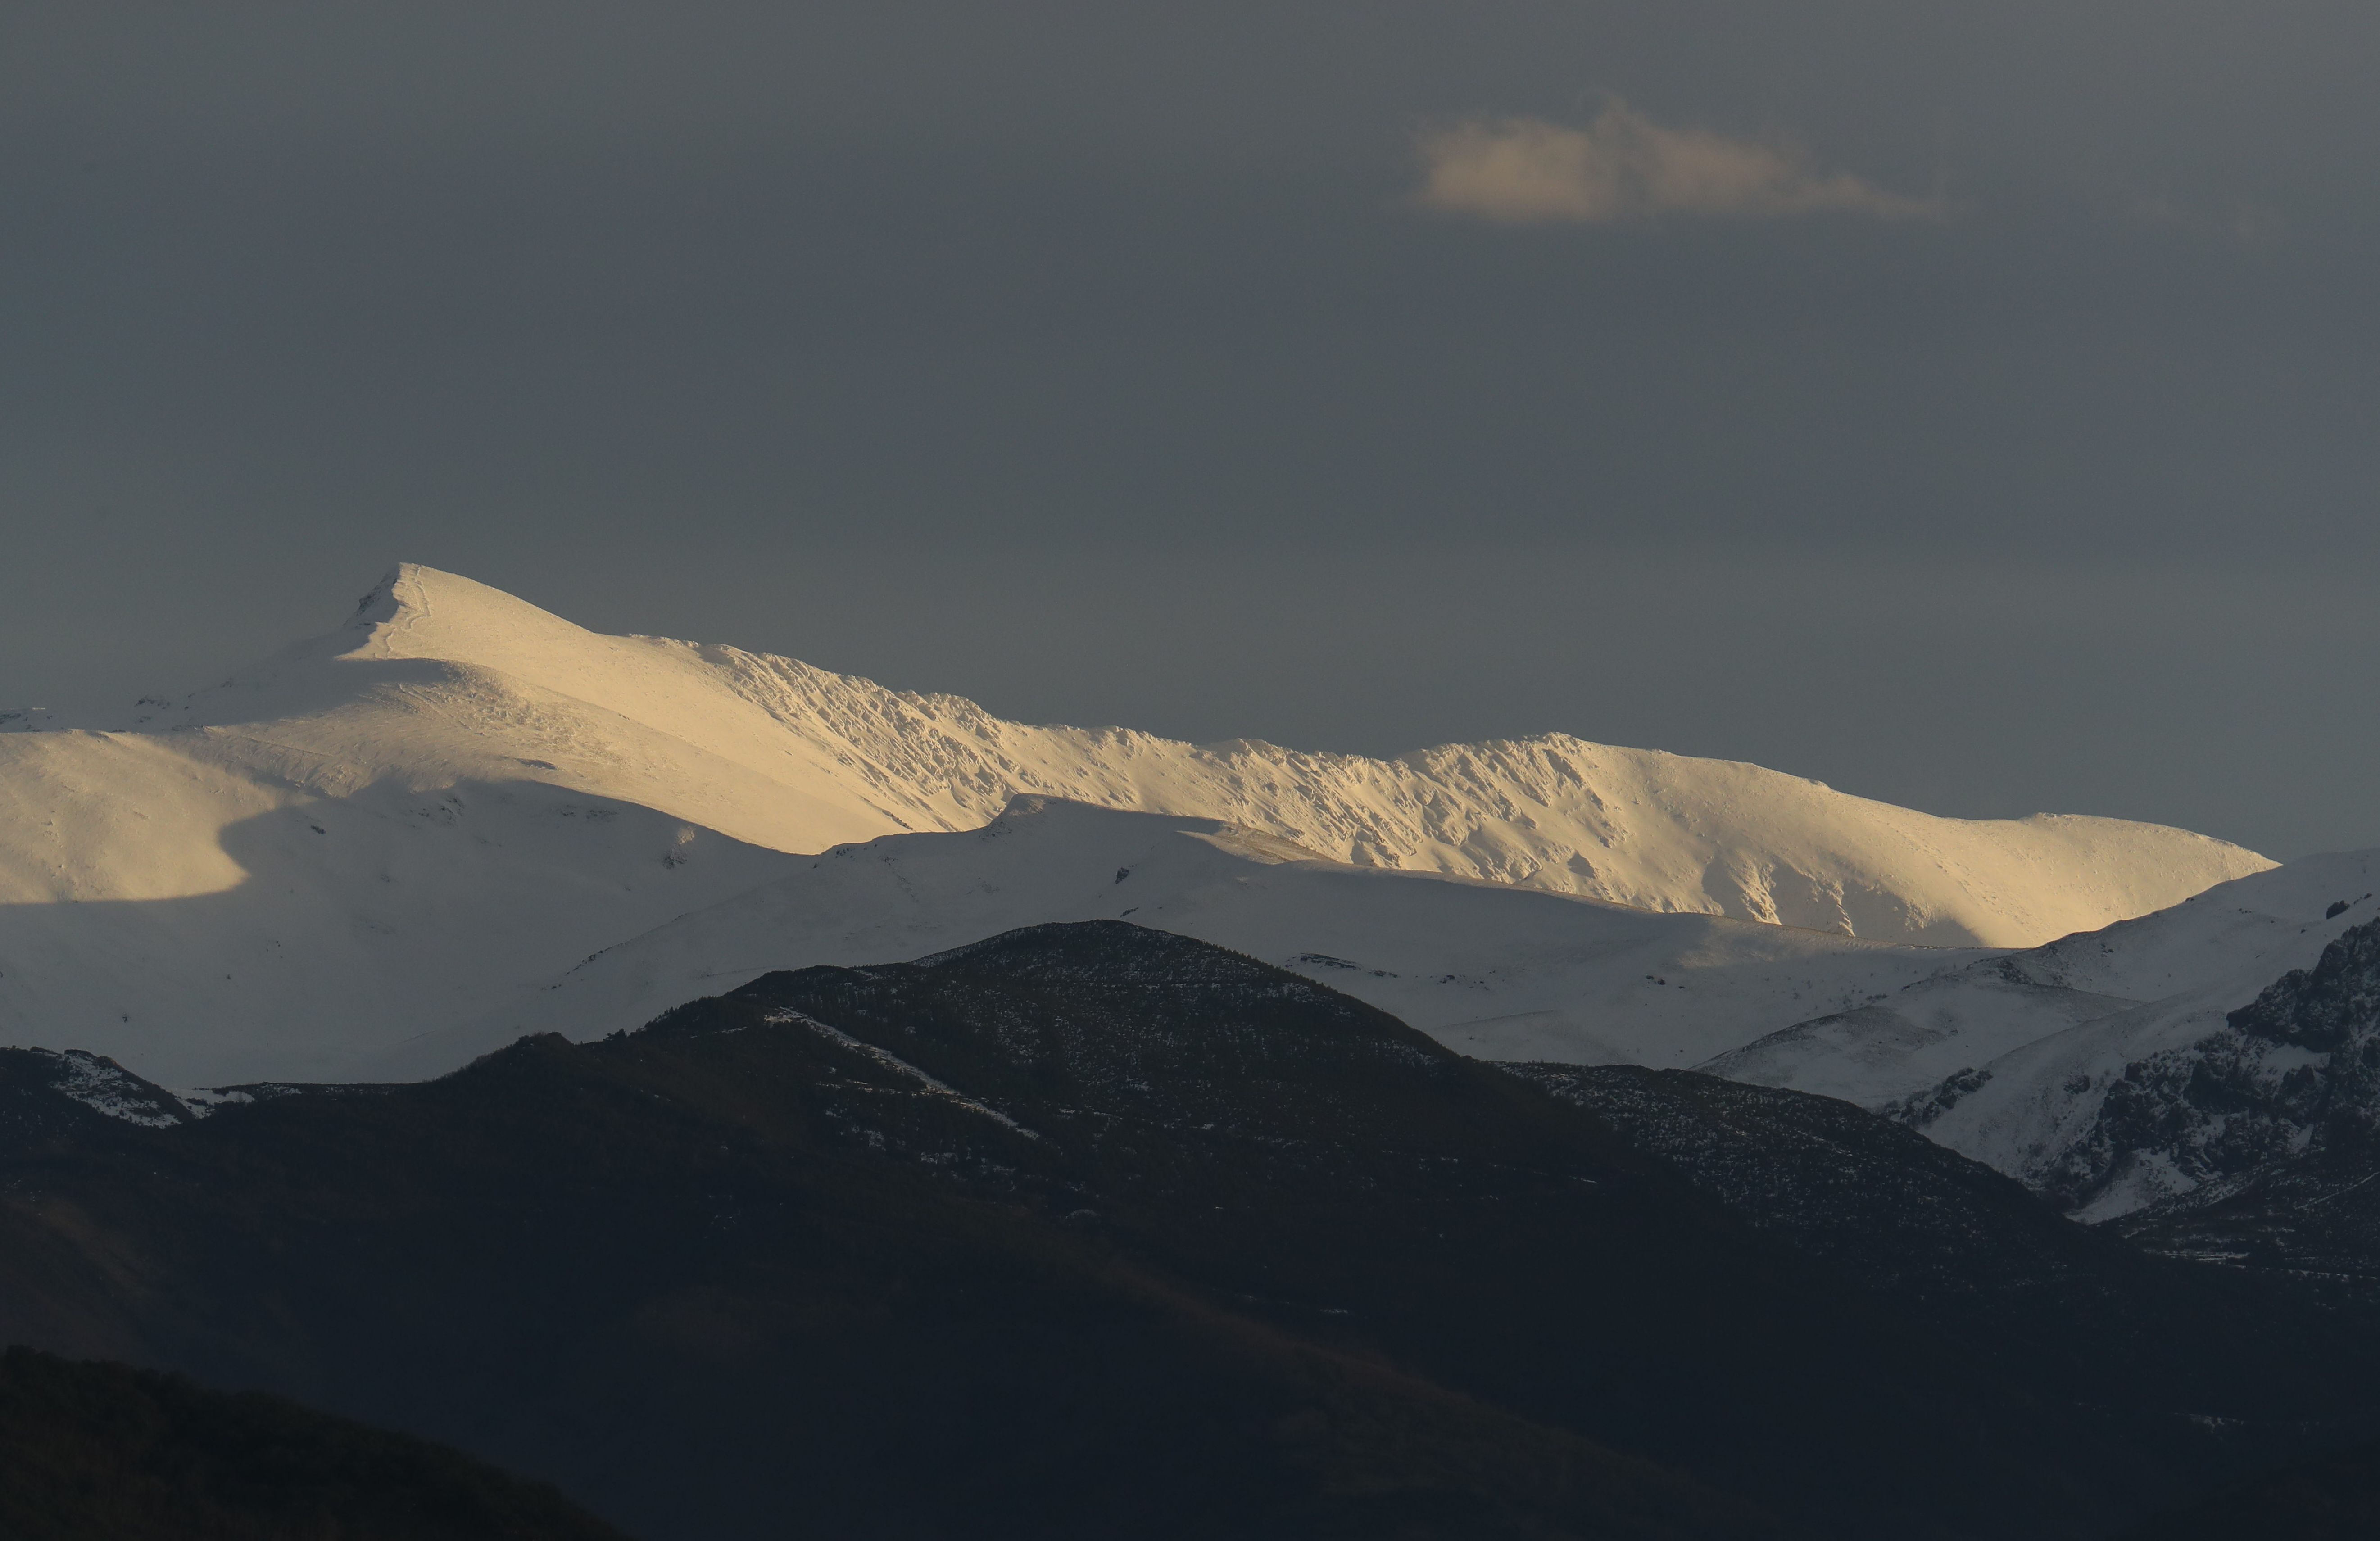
{"x": 396, "y": 829}
{"x": 2071, "y": 1113}
{"x": 2231, "y": 940}
{"x": 2260, "y": 1143}
{"x": 1494, "y": 970}
{"x": 2045, "y": 1063}
{"x": 440, "y": 675}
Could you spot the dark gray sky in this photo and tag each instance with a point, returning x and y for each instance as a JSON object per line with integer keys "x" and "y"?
{"x": 1105, "y": 362}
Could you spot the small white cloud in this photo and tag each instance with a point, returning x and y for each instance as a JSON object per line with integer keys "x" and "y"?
{"x": 1625, "y": 167}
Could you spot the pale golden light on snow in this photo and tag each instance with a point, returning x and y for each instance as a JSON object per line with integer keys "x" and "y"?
{"x": 1625, "y": 167}
{"x": 442, "y": 812}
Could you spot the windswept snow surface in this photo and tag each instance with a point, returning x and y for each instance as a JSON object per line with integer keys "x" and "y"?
{"x": 382, "y": 833}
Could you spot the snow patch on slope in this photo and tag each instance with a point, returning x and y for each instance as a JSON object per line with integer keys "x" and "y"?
{"x": 106, "y": 1088}
{"x": 898, "y": 1066}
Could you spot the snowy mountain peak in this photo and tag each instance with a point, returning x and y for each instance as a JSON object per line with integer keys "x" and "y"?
{"x": 455, "y": 784}
{"x": 418, "y": 612}
{"x": 452, "y": 680}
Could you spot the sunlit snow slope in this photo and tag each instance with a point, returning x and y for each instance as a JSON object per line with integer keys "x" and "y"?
{"x": 380, "y": 833}
{"x": 439, "y": 675}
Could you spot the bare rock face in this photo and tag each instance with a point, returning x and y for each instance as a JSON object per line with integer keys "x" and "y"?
{"x": 2294, "y": 1074}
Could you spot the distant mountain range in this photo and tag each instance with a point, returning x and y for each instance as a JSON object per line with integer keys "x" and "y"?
{"x": 480, "y": 1026}
{"x": 404, "y": 827}
{"x": 457, "y": 820}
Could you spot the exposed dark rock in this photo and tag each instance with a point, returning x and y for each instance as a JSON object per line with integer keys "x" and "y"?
{"x": 2275, "y": 1121}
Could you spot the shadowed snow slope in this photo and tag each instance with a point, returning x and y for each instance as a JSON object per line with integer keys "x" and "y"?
{"x": 1493, "y": 971}
{"x": 2040, "y": 1110}
{"x": 2011, "y": 1059}
{"x": 455, "y": 795}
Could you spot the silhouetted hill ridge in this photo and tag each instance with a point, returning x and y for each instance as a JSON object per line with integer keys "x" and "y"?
{"x": 1087, "y": 1230}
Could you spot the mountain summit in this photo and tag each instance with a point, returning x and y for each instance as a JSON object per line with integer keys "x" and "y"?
{"x": 455, "y": 795}
{"x": 783, "y": 755}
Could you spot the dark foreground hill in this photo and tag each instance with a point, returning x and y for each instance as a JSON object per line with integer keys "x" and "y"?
{"x": 105, "y": 1452}
{"x": 1981, "y": 1259}
{"x": 1091, "y": 1230}
{"x": 2334, "y": 1499}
